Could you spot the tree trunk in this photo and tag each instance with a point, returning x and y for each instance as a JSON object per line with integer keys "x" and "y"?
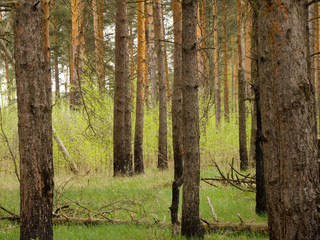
{"x": 97, "y": 8}
{"x": 217, "y": 95}
{"x": 191, "y": 225}
{"x": 34, "y": 114}
{"x": 288, "y": 121}
{"x": 141, "y": 68}
{"x": 261, "y": 206}
{"x": 241, "y": 90}
{"x": 162, "y": 144}
{"x": 151, "y": 52}
{"x": 233, "y": 64}
{"x": 55, "y": 54}
{"x": 317, "y": 68}
{"x": 176, "y": 110}
{"x": 225, "y": 62}
{"x": 122, "y": 163}
{"x": 75, "y": 98}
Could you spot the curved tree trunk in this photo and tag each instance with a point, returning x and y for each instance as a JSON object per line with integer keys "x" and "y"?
{"x": 34, "y": 113}
{"x": 288, "y": 121}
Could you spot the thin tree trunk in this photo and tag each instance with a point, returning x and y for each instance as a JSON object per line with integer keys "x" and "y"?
{"x": 122, "y": 164}
{"x": 34, "y": 114}
{"x": 55, "y": 54}
{"x": 217, "y": 96}
{"x": 141, "y": 68}
{"x": 165, "y": 54}
{"x": 159, "y": 36}
{"x": 97, "y": 7}
{"x": 191, "y": 225}
{"x": 176, "y": 112}
{"x": 261, "y": 205}
{"x": 288, "y": 121}
{"x": 233, "y": 64}
{"x": 75, "y": 53}
{"x": 151, "y": 52}
{"x": 225, "y": 63}
{"x": 241, "y": 90}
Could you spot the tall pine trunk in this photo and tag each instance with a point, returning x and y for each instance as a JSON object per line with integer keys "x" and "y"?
{"x": 288, "y": 121}
{"x": 34, "y": 124}
{"x": 225, "y": 63}
{"x": 159, "y": 35}
{"x": 191, "y": 225}
{"x": 55, "y": 54}
{"x": 177, "y": 111}
{"x": 151, "y": 52}
{"x": 122, "y": 106}
{"x": 243, "y": 152}
{"x": 261, "y": 205}
{"x": 217, "y": 95}
{"x": 141, "y": 68}
{"x": 97, "y": 7}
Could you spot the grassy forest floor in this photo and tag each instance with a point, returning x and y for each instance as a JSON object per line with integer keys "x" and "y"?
{"x": 146, "y": 197}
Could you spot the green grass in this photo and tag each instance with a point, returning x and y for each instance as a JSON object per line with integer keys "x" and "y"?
{"x": 146, "y": 197}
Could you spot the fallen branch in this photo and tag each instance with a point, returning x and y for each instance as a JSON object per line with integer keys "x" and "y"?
{"x": 215, "y": 226}
{"x": 64, "y": 152}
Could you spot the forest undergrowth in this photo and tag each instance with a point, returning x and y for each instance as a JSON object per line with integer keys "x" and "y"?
{"x": 87, "y": 135}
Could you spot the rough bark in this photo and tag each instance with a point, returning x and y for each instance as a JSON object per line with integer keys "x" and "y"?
{"x": 217, "y": 95}
{"x": 318, "y": 63}
{"x": 191, "y": 225}
{"x": 176, "y": 109}
{"x": 243, "y": 152}
{"x": 122, "y": 158}
{"x": 34, "y": 125}
{"x": 288, "y": 121}
{"x": 141, "y": 68}
{"x": 159, "y": 36}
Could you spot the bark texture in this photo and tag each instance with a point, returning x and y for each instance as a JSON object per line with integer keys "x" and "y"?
{"x": 191, "y": 225}
{"x": 243, "y": 152}
{"x": 288, "y": 121}
{"x": 141, "y": 68}
{"x": 34, "y": 125}
{"x": 162, "y": 141}
{"x": 177, "y": 109}
{"x": 122, "y": 163}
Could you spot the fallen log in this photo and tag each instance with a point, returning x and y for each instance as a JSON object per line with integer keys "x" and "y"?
{"x": 241, "y": 227}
